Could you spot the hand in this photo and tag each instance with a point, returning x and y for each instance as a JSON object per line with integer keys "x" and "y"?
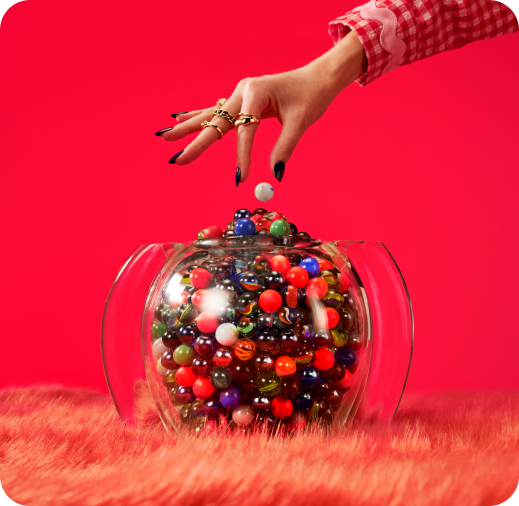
{"x": 297, "y": 99}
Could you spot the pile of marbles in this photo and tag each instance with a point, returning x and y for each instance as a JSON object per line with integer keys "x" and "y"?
{"x": 257, "y": 338}
{"x": 259, "y": 222}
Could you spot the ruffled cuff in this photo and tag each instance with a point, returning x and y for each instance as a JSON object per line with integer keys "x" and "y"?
{"x": 376, "y": 28}
{"x": 400, "y": 32}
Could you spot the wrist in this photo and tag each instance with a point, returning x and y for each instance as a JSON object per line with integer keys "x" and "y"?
{"x": 343, "y": 64}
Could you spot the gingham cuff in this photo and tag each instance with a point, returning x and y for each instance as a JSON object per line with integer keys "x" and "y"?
{"x": 400, "y": 32}
{"x": 368, "y": 32}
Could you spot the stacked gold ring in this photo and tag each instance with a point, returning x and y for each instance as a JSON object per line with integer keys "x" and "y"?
{"x": 205, "y": 124}
{"x": 224, "y": 114}
{"x": 245, "y": 119}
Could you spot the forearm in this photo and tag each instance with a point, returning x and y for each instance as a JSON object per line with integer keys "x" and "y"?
{"x": 343, "y": 64}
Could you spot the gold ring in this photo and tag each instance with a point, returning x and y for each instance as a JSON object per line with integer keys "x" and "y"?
{"x": 245, "y": 119}
{"x": 220, "y": 102}
{"x": 205, "y": 124}
{"x": 224, "y": 114}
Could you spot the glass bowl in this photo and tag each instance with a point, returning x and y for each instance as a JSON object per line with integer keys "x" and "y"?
{"x": 260, "y": 330}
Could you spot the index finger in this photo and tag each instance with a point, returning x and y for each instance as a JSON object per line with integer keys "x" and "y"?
{"x": 210, "y": 134}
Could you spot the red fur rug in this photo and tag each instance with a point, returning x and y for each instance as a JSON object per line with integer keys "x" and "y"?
{"x": 68, "y": 447}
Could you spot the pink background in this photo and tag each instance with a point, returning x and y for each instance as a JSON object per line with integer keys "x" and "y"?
{"x": 424, "y": 159}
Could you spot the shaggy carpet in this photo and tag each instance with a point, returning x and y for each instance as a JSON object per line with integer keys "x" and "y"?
{"x": 68, "y": 447}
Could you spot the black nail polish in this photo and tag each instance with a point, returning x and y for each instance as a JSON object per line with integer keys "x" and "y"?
{"x": 160, "y": 132}
{"x": 172, "y": 159}
{"x": 238, "y": 176}
{"x": 279, "y": 170}
{"x": 175, "y": 114}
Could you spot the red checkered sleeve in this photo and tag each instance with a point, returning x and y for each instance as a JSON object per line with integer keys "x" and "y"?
{"x": 398, "y": 32}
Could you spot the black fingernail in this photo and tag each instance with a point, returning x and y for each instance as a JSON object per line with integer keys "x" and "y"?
{"x": 172, "y": 160}
{"x": 160, "y": 132}
{"x": 238, "y": 176}
{"x": 279, "y": 170}
{"x": 175, "y": 114}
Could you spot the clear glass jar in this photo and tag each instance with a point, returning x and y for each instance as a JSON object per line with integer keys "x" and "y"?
{"x": 225, "y": 332}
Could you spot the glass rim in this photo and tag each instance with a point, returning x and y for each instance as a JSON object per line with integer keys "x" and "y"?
{"x": 253, "y": 241}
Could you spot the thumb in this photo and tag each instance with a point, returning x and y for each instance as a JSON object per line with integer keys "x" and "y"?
{"x": 290, "y": 135}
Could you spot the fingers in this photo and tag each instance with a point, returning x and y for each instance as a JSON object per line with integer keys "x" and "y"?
{"x": 244, "y": 141}
{"x": 184, "y": 116}
{"x": 245, "y": 138}
{"x": 210, "y": 134}
{"x": 292, "y": 131}
{"x": 256, "y": 103}
{"x": 189, "y": 126}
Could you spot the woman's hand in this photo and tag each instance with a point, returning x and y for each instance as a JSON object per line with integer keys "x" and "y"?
{"x": 297, "y": 99}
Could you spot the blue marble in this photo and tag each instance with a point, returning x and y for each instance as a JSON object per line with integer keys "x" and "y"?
{"x": 311, "y": 265}
{"x": 242, "y": 213}
{"x": 309, "y": 377}
{"x": 230, "y": 398}
{"x": 346, "y": 357}
{"x": 245, "y": 227}
{"x": 303, "y": 401}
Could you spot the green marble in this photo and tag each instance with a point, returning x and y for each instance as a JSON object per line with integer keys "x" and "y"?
{"x": 184, "y": 354}
{"x": 158, "y": 329}
{"x": 269, "y": 383}
{"x": 339, "y": 338}
{"x": 330, "y": 277}
{"x": 333, "y": 299}
{"x": 280, "y": 227}
{"x": 221, "y": 377}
